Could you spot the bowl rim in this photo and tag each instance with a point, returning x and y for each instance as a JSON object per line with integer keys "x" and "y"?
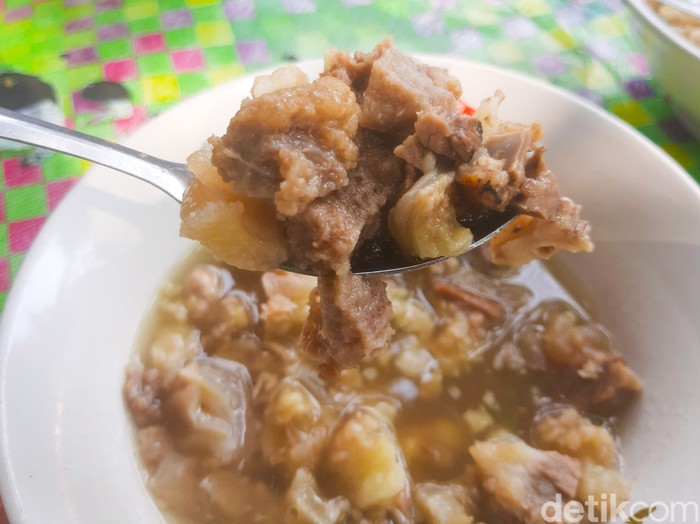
{"x": 642, "y": 8}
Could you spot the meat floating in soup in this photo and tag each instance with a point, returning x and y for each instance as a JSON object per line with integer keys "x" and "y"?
{"x": 491, "y": 399}
{"x": 456, "y": 394}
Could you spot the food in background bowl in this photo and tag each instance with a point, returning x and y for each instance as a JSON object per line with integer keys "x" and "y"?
{"x": 493, "y": 398}
{"x": 684, "y": 23}
{"x": 674, "y": 61}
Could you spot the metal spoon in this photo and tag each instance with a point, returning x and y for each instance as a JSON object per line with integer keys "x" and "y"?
{"x": 373, "y": 259}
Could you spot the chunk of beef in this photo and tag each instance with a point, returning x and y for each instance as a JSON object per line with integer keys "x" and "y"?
{"x": 511, "y": 147}
{"x": 484, "y": 183}
{"x": 399, "y": 88}
{"x": 349, "y": 318}
{"x": 294, "y": 144}
{"x": 595, "y": 375}
{"x": 354, "y": 70}
{"x": 454, "y": 136}
{"x": 469, "y": 299}
{"x": 521, "y": 479}
{"x": 575, "y": 357}
{"x": 325, "y": 234}
{"x": 416, "y": 154}
{"x": 218, "y": 311}
{"x": 539, "y": 193}
{"x": 564, "y": 429}
{"x": 496, "y": 174}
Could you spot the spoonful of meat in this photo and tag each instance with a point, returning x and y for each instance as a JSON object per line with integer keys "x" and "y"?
{"x": 375, "y": 167}
{"x": 377, "y": 256}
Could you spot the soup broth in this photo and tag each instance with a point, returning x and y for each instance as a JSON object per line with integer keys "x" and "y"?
{"x": 497, "y": 393}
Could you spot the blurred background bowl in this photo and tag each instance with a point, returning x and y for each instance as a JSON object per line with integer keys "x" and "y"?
{"x": 674, "y": 61}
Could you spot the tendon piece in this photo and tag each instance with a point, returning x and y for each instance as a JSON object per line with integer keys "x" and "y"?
{"x": 528, "y": 238}
{"x": 174, "y": 484}
{"x": 306, "y": 506}
{"x": 487, "y": 113}
{"x": 171, "y": 350}
{"x": 239, "y": 498}
{"x": 601, "y": 485}
{"x": 565, "y": 430}
{"x": 210, "y": 407}
{"x": 364, "y": 460}
{"x": 293, "y": 430}
{"x": 442, "y": 504}
{"x": 424, "y": 220}
{"x": 286, "y": 307}
{"x": 521, "y": 479}
{"x": 349, "y": 318}
{"x": 282, "y": 78}
{"x": 219, "y": 312}
{"x": 241, "y": 231}
{"x": 292, "y": 145}
{"x": 205, "y": 285}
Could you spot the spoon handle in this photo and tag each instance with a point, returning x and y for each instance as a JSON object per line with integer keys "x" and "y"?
{"x": 171, "y": 177}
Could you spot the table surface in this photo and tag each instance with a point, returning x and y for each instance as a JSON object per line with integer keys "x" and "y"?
{"x": 106, "y": 66}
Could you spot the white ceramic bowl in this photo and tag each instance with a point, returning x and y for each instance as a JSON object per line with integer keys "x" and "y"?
{"x": 68, "y": 329}
{"x": 674, "y": 61}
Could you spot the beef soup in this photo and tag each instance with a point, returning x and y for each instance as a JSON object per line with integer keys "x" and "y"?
{"x": 459, "y": 393}
{"x": 492, "y": 398}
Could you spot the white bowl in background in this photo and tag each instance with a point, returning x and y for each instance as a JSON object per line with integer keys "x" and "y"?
{"x": 70, "y": 323}
{"x": 674, "y": 61}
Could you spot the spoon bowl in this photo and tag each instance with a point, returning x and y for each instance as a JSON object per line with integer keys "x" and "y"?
{"x": 371, "y": 259}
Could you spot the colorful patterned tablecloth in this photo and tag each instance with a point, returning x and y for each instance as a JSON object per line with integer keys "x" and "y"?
{"x": 106, "y": 66}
